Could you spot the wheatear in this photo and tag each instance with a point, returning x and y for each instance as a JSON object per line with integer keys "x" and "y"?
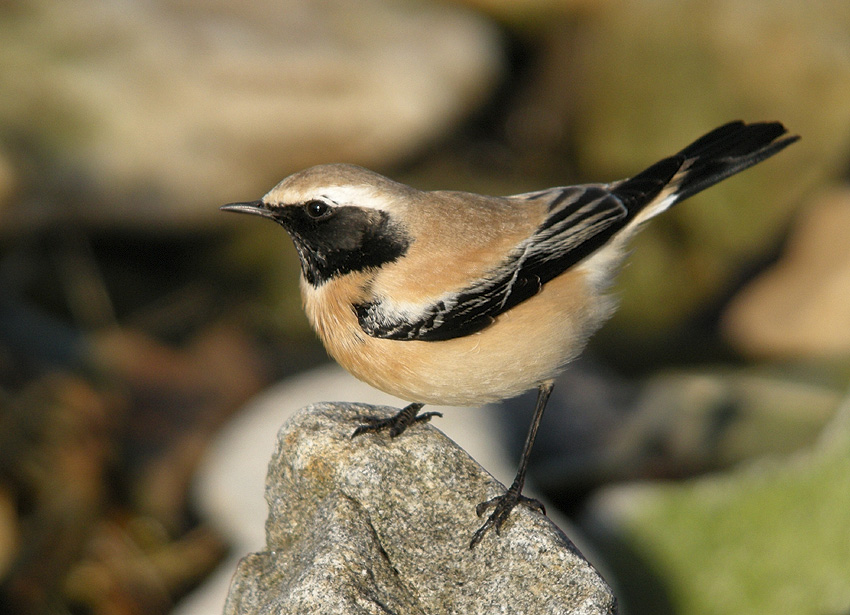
{"x": 454, "y": 298}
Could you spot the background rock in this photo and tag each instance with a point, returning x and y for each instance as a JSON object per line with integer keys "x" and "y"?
{"x": 600, "y": 429}
{"x": 800, "y": 308}
{"x": 655, "y": 75}
{"x": 140, "y": 114}
{"x": 393, "y": 520}
{"x": 769, "y": 537}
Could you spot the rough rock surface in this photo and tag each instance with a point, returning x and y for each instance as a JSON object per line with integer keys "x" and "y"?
{"x": 373, "y": 525}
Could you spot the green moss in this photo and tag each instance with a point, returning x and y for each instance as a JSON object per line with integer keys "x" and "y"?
{"x": 771, "y": 538}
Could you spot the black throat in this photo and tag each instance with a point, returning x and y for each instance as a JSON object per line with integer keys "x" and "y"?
{"x": 351, "y": 239}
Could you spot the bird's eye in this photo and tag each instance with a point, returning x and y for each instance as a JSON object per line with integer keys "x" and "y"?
{"x": 317, "y": 209}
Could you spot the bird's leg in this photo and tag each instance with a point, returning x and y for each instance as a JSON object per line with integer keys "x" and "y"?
{"x": 505, "y": 503}
{"x": 397, "y": 423}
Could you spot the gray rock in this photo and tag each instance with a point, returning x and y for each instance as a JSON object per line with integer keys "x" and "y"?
{"x": 373, "y": 525}
{"x": 601, "y": 429}
{"x": 149, "y": 114}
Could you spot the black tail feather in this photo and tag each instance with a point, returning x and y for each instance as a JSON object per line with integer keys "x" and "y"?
{"x": 728, "y": 150}
{"x": 724, "y": 151}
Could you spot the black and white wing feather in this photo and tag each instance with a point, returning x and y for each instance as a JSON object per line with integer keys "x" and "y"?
{"x": 581, "y": 219}
{"x": 578, "y": 219}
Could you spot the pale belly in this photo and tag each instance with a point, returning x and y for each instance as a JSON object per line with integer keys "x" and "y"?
{"x": 524, "y": 347}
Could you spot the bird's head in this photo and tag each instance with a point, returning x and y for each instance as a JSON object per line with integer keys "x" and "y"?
{"x": 342, "y": 218}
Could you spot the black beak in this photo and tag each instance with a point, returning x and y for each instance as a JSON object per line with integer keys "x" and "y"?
{"x": 258, "y": 208}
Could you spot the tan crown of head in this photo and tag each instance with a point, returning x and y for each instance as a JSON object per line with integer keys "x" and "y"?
{"x": 340, "y": 185}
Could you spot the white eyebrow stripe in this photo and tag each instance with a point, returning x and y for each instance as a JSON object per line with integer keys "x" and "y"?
{"x": 358, "y": 195}
{"x": 327, "y": 199}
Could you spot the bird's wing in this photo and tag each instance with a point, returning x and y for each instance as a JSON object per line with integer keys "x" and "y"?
{"x": 580, "y": 219}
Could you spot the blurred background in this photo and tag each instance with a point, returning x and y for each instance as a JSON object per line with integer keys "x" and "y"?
{"x": 701, "y": 447}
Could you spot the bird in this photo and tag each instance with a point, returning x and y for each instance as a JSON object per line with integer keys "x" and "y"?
{"x": 461, "y": 299}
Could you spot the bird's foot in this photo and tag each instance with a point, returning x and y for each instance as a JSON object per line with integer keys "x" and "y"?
{"x": 397, "y": 423}
{"x": 503, "y": 504}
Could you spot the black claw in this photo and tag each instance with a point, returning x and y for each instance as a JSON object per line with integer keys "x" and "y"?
{"x": 426, "y": 416}
{"x": 397, "y": 423}
{"x": 504, "y": 504}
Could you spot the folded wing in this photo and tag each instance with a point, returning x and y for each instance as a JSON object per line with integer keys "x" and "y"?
{"x": 580, "y": 220}
{"x": 578, "y": 216}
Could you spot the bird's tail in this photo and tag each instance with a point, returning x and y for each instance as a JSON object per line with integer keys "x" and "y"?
{"x": 724, "y": 151}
